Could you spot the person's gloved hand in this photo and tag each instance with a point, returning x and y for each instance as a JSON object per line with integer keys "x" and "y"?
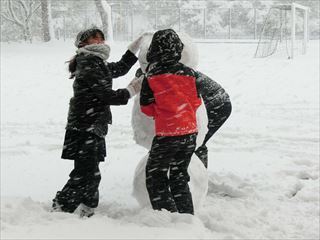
{"x": 134, "y": 86}
{"x": 136, "y": 44}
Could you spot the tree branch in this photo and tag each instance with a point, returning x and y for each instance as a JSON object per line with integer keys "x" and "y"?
{"x": 30, "y": 5}
{"x": 24, "y": 7}
{"x": 33, "y": 11}
{"x": 8, "y": 18}
{"x": 13, "y": 14}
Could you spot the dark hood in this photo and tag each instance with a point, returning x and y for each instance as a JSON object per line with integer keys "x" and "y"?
{"x": 165, "y": 47}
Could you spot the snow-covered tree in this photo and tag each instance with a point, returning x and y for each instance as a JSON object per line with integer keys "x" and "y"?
{"x": 45, "y": 17}
{"x": 20, "y": 13}
{"x": 104, "y": 10}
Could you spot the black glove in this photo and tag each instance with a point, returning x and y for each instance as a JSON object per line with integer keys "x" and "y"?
{"x": 202, "y": 153}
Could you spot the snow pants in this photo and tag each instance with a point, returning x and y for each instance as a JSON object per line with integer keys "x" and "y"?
{"x": 167, "y": 173}
{"x": 82, "y": 187}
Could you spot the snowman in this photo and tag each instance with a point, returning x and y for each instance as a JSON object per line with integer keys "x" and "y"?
{"x": 143, "y": 129}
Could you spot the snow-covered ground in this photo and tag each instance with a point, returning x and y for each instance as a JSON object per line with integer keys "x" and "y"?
{"x": 263, "y": 163}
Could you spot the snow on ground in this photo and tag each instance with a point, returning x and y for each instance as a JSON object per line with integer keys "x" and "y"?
{"x": 263, "y": 163}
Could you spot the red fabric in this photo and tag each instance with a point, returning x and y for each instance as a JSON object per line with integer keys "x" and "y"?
{"x": 175, "y": 106}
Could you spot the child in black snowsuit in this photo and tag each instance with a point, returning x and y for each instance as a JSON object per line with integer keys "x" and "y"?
{"x": 89, "y": 116}
{"x": 171, "y": 95}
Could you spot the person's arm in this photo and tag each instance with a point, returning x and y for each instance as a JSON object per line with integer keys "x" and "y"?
{"x": 215, "y": 99}
{"x": 90, "y": 71}
{"x": 213, "y": 96}
{"x": 147, "y": 100}
{"x": 123, "y": 66}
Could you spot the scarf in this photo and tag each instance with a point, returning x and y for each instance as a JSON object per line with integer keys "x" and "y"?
{"x": 100, "y": 50}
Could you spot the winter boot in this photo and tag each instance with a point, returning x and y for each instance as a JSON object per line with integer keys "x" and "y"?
{"x": 55, "y": 206}
{"x": 85, "y": 211}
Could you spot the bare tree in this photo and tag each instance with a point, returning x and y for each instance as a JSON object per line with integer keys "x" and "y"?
{"x": 104, "y": 10}
{"x": 45, "y": 20}
{"x": 20, "y": 13}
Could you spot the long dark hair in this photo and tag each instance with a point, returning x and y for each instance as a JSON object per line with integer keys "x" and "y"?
{"x": 72, "y": 67}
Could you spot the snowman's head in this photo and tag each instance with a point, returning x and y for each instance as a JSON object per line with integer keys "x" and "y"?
{"x": 189, "y": 55}
{"x": 142, "y": 57}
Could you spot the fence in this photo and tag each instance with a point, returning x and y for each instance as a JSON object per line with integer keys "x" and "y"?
{"x": 204, "y": 23}
{"x": 237, "y": 22}
{"x": 201, "y": 23}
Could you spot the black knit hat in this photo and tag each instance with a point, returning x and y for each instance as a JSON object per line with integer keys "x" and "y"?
{"x": 83, "y": 35}
{"x": 165, "y": 46}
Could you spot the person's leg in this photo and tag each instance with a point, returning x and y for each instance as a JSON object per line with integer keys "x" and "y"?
{"x": 89, "y": 188}
{"x": 88, "y": 150}
{"x": 82, "y": 187}
{"x": 179, "y": 176}
{"x": 69, "y": 198}
{"x": 157, "y": 175}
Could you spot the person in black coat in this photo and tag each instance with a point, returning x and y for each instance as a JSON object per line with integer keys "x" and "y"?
{"x": 170, "y": 94}
{"x": 89, "y": 116}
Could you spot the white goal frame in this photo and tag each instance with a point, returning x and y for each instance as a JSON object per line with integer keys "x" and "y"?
{"x": 268, "y": 46}
{"x": 305, "y": 10}
{"x": 293, "y": 7}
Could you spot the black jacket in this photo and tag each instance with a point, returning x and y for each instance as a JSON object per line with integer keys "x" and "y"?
{"x": 213, "y": 96}
{"x": 89, "y": 108}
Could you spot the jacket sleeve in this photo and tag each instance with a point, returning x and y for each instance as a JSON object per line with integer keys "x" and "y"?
{"x": 147, "y": 101}
{"x": 90, "y": 71}
{"x": 123, "y": 66}
{"x": 213, "y": 96}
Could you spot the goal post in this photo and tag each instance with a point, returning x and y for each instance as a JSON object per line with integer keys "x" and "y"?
{"x": 276, "y": 29}
{"x": 305, "y": 10}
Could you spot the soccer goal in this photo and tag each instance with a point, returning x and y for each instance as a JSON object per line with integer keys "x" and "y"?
{"x": 285, "y": 31}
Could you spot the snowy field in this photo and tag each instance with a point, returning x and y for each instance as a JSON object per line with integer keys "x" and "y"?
{"x": 263, "y": 163}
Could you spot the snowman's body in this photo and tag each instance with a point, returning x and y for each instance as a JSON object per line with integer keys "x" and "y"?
{"x": 143, "y": 128}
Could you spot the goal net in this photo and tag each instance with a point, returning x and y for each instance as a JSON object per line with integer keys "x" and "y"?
{"x": 285, "y": 31}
